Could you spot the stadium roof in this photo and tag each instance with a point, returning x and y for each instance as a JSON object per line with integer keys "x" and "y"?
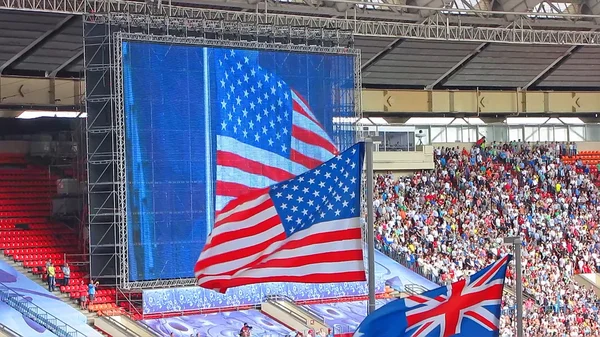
{"x": 50, "y": 44}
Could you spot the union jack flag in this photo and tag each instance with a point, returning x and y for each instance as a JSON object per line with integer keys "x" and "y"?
{"x": 469, "y": 307}
{"x": 267, "y": 131}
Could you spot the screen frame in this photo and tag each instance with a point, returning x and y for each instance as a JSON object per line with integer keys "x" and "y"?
{"x": 121, "y": 166}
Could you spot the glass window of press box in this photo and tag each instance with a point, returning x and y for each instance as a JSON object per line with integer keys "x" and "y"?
{"x": 428, "y": 131}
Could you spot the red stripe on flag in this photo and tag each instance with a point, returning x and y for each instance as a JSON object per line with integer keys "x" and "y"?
{"x": 312, "y": 138}
{"x": 482, "y": 319}
{"x": 423, "y": 328}
{"x": 337, "y": 256}
{"x": 328, "y": 237}
{"x": 244, "y": 232}
{"x": 351, "y": 276}
{"x": 324, "y": 237}
{"x": 243, "y": 215}
{"x": 304, "y": 160}
{"x": 238, "y": 254}
{"x": 298, "y": 108}
{"x": 230, "y": 189}
{"x": 234, "y": 203}
{"x": 229, "y": 159}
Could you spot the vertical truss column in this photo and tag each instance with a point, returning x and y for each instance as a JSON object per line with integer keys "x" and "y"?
{"x": 117, "y": 67}
{"x": 103, "y": 212}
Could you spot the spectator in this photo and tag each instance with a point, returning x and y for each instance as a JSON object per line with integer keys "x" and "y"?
{"x": 51, "y": 273}
{"x": 449, "y": 222}
{"x": 92, "y": 291}
{"x": 67, "y": 274}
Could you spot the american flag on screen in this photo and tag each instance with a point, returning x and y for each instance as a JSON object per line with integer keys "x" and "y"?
{"x": 267, "y": 132}
{"x": 306, "y": 229}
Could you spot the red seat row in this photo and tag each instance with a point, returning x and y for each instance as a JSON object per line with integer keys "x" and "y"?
{"x": 38, "y": 243}
{"x": 29, "y": 257}
{"x": 19, "y": 189}
{"x": 9, "y": 183}
{"x": 24, "y": 208}
{"x": 27, "y": 195}
{"x": 28, "y": 221}
{"x": 36, "y": 238}
{"x": 30, "y": 201}
{"x": 10, "y": 160}
{"x": 24, "y": 214}
{"x": 73, "y": 288}
{"x": 106, "y": 292}
{"x": 29, "y": 232}
{"x": 11, "y": 252}
{"x": 41, "y": 264}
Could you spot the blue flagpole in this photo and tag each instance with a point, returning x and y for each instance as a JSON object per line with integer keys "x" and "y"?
{"x": 370, "y": 224}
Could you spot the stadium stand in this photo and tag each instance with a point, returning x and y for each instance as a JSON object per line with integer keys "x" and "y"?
{"x": 31, "y": 238}
{"x": 449, "y": 222}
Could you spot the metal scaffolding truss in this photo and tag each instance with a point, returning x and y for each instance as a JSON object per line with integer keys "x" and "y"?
{"x": 116, "y": 117}
{"x": 436, "y": 27}
{"x": 443, "y": 23}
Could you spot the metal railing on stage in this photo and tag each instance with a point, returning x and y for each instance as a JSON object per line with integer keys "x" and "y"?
{"x": 23, "y": 305}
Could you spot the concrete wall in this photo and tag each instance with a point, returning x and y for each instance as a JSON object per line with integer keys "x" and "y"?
{"x": 405, "y": 162}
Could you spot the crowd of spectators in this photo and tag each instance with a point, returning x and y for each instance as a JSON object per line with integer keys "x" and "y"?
{"x": 451, "y": 221}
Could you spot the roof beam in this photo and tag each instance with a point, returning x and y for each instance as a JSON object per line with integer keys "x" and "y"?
{"x": 459, "y": 65}
{"x": 36, "y": 44}
{"x": 382, "y": 53}
{"x": 551, "y": 67}
{"x": 67, "y": 63}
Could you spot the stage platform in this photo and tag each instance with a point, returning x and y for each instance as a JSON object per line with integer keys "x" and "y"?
{"x": 195, "y": 298}
{"x": 42, "y": 298}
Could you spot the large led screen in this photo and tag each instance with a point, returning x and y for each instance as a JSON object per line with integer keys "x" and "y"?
{"x": 205, "y": 124}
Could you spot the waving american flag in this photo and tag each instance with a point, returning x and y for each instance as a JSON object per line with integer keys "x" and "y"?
{"x": 468, "y": 308}
{"x": 306, "y": 229}
{"x": 267, "y": 132}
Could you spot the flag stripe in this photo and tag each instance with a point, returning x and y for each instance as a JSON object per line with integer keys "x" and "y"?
{"x": 309, "y": 124}
{"x": 480, "y": 319}
{"x": 305, "y": 254}
{"x": 300, "y": 158}
{"x": 312, "y": 138}
{"x": 314, "y": 244}
{"x": 319, "y": 154}
{"x": 238, "y": 205}
{"x": 234, "y": 175}
{"x": 231, "y": 189}
{"x": 246, "y": 231}
{"x": 328, "y": 233}
{"x": 351, "y": 276}
{"x": 331, "y": 268}
{"x": 228, "y": 159}
{"x": 231, "y": 222}
{"x": 246, "y": 241}
{"x": 228, "y": 144}
{"x": 240, "y": 253}
{"x": 301, "y": 106}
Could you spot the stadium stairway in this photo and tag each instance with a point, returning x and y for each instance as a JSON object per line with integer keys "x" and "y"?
{"x": 28, "y": 236}
{"x": 298, "y": 318}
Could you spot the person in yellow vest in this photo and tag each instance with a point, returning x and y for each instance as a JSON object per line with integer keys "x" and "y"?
{"x": 51, "y": 272}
